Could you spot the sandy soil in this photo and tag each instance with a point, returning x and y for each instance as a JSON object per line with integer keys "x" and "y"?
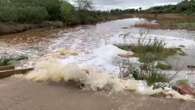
{"x": 18, "y": 94}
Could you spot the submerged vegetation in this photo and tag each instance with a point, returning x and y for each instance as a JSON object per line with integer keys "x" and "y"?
{"x": 4, "y": 61}
{"x": 152, "y": 49}
{"x": 151, "y": 53}
{"x": 163, "y": 66}
{"x": 144, "y": 71}
{"x": 150, "y": 74}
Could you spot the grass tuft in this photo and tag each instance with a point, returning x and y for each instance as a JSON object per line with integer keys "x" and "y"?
{"x": 155, "y": 49}
{"x": 150, "y": 51}
{"x": 4, "y": 61}
{"x": 163, "y": 66}
{"x": 150, "y": 74}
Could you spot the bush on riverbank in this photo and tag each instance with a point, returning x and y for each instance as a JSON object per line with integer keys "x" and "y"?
{"x": 37, "y": 11}
{"x": 185, "y": 7}
{"x": 33, "y": 11}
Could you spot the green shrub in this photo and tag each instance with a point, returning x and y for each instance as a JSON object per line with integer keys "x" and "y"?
{"x": 151, "y": 50}
{"x": 53, "y": 8}
{"x": 31, "y": 10}
{"x": 185, "y": 7}
{"x": 69, "y": 14}
{"x": 35, "y": 11}
{"x": 23, "y": 14}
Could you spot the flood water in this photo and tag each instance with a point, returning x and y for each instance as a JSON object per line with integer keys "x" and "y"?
{"x": 84, "y": 39}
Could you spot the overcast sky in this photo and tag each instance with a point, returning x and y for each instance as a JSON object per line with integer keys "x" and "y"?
{"x": 124, "y": 4}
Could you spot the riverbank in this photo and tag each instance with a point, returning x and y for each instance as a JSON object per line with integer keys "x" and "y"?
{"x": 169, "y": 21}
{"x": 166, "y": 21}
{"x": 10, "y": 28}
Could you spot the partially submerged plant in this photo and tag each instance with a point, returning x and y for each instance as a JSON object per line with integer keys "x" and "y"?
{"x": 163, "y": 66}
{"x": 4, "y": 60}
{"x": 150, "y": 74}
{"x": 145, "y": 71}
{"x": 150, "y": 51}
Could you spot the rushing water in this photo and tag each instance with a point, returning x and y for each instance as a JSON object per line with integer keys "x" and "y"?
{"x": 87, "y": 38}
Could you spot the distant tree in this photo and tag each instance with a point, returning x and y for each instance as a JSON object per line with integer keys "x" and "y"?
{"x": 140, "y": 9}
{"x": 84, "y": 4}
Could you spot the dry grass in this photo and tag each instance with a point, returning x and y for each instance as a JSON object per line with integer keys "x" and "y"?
{"x": 148, "y": 25}
{"x": 171, "y": 21}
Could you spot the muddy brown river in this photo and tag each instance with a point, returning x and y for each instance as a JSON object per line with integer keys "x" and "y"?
{"x": 84, "y": 39}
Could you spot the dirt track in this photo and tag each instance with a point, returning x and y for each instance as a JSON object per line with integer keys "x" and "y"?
{"x": 17, "y": 94}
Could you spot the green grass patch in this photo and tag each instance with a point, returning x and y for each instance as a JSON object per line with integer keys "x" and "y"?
{"x": 151, "y": 50}
{"x": 4, "y": 61}
{"x": 150, "y": 74}
{"x": 163, "y": 66}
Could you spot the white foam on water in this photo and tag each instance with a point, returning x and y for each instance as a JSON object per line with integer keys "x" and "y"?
{"x": 182, "y": 75}
{"x": 105, "y": 58}
{"x": 55, "y": 70}
{"x": 94, "y": 73}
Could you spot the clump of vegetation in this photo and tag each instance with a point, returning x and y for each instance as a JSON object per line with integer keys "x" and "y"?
{"x": 153, "y": 48}
{"x": 4, "y": 61}
{"x": 150, "y": 51}
{"x": 32, "y": 11}
{"x": 163, "y": 66}
{"x": 149, "y": 73}
{"x": 38, "y": 11}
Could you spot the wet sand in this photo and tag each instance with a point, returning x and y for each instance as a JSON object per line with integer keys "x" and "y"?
{"x": 20, "y": 94}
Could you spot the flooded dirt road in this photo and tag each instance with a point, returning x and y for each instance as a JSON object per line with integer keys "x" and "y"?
{"x": 26, "y": 95}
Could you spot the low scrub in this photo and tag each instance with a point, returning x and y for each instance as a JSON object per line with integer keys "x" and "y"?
{"x": 21, "y": 14}
{"x": 37, "y": 11}
{"x": 32, "y": 11}
{"x": 152, "y": 49}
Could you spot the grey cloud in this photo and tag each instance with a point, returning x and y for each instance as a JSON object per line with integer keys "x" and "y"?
{"x": 123, "y": 4}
